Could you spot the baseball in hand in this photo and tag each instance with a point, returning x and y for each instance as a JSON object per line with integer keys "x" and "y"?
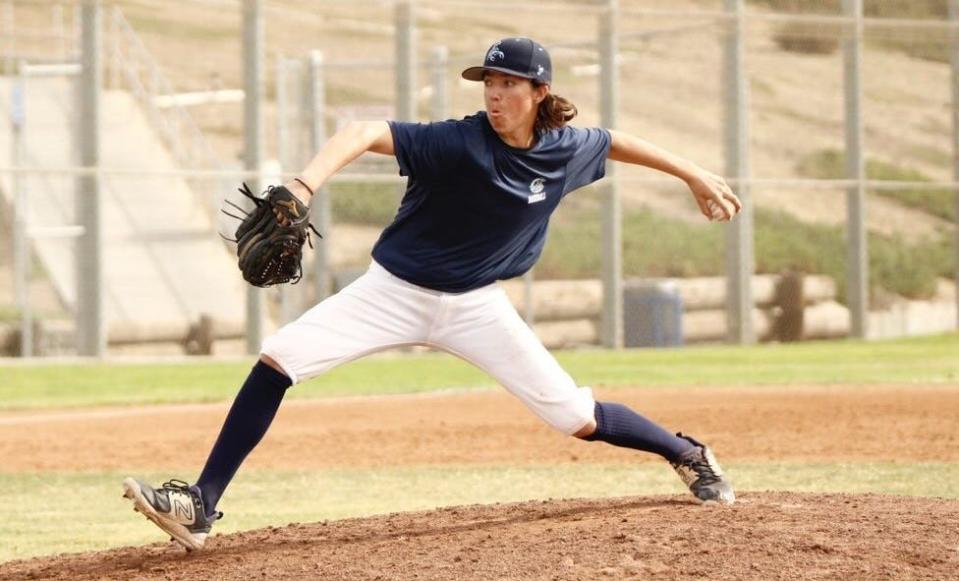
{"x": 716, "y": 213}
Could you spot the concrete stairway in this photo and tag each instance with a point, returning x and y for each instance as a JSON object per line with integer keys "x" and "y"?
{"x": 164, "y": 265}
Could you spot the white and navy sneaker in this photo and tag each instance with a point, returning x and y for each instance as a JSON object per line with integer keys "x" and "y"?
{"x": 177, "y": 508}
{"x": 701, "y": 472}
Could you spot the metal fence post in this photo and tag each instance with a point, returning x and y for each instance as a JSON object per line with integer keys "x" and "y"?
{"x": 77, "y": 40}
{"x": 21, "y": 237}
{"x": 405, "y": 60}
{"x": 611, "y": 321}
{"x": 283, "y": 155}
{"x": 59, "y": 31}
{"x": 439, "y": 106}
{"x": 114, "y": 61}
{"x": 9, "y": 30}
{"x": 321, "y": 205}
{"x": 253, "y": 144}
{"x": 91, "y": 330}
{"x": 282, "y": 114}
{"x": 954, "y": 58}
{"x": 857, "y": 250}
{"x": 740, "y": 260}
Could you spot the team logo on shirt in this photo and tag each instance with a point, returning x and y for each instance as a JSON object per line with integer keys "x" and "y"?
{"x": 537, "y": 190}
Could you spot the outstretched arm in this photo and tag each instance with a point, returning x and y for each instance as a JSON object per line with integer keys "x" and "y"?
{"x": 705, "y": 186}
{"x": 346, "y": 145}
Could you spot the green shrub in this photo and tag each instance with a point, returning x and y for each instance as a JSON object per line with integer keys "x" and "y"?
{"x": 917, "y": 9}
{"x": 9, "y": 314}
{"x": 657, "y": 246}
{"x": 932, "y": 45}
{"x": 816, "y": 39}
{"x": 807, "y": 38}
{"x": 802, "y": 6}
{"x": 652, "y": 246}
{"x": 910, "y": 270}
{"x": 572, "y": 247}
{"x": 831, "y": 164}
{"x": 364, "y": 203}
{"x": 802, "y": 37}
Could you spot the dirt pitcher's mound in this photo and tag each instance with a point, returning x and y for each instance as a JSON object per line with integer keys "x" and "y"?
{"x": 764, "y": 536}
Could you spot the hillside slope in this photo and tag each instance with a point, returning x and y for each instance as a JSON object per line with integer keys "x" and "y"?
{"x": 670, "y": 90}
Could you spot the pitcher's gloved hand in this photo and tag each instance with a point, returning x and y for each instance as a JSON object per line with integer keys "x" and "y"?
{"x": 269, "y": 239}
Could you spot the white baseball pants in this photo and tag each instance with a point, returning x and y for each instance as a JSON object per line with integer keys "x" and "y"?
{"x": 379, "y": 311}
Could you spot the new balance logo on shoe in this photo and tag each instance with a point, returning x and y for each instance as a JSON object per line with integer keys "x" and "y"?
{"x": 184, "y": 512}
{"x": 176, "y": 507}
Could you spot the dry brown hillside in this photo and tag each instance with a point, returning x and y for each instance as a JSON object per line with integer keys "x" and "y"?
{"x": 670, "y": 90}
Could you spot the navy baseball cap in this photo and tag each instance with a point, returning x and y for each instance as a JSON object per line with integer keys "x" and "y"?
{"x": 522, "y": 57}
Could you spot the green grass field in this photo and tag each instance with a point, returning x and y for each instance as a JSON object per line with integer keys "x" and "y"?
{"x": 30, "y": 525}
{"x": 921, "y": 360}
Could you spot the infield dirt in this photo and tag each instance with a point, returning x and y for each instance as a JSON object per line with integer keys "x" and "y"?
{"x": 764, "y": 536}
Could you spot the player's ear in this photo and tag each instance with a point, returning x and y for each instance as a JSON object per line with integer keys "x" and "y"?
{"x": 539, "y": 92}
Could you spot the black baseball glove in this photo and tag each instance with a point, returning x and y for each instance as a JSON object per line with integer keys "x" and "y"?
{"x": 269, "y": 239}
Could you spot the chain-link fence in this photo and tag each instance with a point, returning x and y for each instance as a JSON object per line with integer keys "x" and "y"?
{"x": 833, "y": 119}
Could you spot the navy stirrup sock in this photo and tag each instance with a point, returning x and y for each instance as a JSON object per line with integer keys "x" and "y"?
{"x": 250, "y": 416}
{"x": 618, "y": 425}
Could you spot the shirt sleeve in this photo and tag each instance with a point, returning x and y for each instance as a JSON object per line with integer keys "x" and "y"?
{"x": 588, "y": 163}
{"x": 426, "y": 151}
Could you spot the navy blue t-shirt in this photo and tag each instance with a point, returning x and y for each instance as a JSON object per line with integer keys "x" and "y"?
{"x": 475, "y": 209}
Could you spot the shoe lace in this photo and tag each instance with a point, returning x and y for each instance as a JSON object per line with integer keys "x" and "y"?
{"x": 184, "y": 488}
{"x": 704, "y": 469}
{"x": 179, "y": 485}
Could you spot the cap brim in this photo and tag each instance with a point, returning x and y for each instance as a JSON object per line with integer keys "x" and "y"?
{"x": 476, "y": 73}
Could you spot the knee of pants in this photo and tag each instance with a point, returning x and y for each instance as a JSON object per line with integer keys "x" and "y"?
{"x": 570, "y": 415}
{"x": 277, "y": 349}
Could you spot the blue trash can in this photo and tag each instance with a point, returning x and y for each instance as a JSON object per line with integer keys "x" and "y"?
{"x": 652, "y": 314}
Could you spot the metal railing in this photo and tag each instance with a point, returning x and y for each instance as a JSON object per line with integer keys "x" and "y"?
{"x": 131, "y": 66}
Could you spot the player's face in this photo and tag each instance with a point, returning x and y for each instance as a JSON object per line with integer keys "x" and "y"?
{"x": 511, "y": 102}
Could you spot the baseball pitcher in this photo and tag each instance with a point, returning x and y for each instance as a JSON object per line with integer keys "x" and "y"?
{"x": 479, "y": 196}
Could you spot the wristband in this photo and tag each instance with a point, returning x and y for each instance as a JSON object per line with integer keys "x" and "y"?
{"x": 302, "y": 183}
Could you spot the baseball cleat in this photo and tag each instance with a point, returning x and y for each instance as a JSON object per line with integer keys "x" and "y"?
{"x": 177, "y": 508}
{"x": 701, "y": 472}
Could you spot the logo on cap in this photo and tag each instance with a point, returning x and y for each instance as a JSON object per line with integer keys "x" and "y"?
{"x": 522, "y": 57}
{"x": 495, "y": 53}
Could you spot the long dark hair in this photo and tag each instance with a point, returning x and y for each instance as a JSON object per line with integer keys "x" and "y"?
{"x": 554, "y": 112}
